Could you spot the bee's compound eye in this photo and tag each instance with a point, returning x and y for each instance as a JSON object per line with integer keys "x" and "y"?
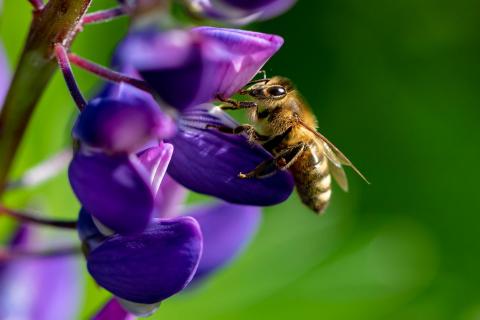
{"x": 276, "y": 91}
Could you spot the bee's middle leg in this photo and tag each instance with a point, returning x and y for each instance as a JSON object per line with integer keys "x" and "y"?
{"x": 281, "y": 162}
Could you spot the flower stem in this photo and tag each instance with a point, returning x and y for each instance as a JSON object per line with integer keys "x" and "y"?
{"x": 6, "y": 254}
{"x": 103, "y": 15}
{"x": 58, "y": 22}
{"x": 64, "y": 64}
{"x": 42, "y": 171}
{"x": 29, "y": 218}
{"x": 107, "y": 73}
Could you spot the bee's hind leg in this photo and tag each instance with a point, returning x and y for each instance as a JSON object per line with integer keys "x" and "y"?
{"x": 281, "y": 162}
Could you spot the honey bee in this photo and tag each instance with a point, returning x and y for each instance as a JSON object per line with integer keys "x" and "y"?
{"x": 286, "y": 127}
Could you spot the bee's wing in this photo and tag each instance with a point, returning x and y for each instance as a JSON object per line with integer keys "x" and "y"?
{"x": 333, "y": 153}
{"x": 336, "y": 170}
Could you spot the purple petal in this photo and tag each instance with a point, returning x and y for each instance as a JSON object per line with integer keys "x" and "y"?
{"x": 113, "y": 311}
{"x": 114, "y": 189}
{"x": 187, "y": 68}
{"x": 119, "y": 125}
{"x": 226, "y": 229}
{"x": 156, "y": 160}
{"x": 176, "y": 64}
{"x": 28, "y": 289}
{"x": 249, "y": 52}
{"x": 208, "y": 161}
{"x": 149, "y": 267}
{"x": 4, "y": 76}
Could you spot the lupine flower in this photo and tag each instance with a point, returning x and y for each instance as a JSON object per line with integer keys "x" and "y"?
{"x": 106, "y": 175}
{"x": 34, "y": 287}
{"x": 239, "y": 11}
{"x": 131, "y": 217}
{"x": 168, "y": 250}
{"x": 187, "y": 68}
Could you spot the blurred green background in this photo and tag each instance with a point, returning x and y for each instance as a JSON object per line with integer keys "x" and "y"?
{"x": 395, "y": 84}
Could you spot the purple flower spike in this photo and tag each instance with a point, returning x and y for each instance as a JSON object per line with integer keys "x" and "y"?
{"x": 118, "y": 125}
{"x": 227, "y": 229}
{"x": 114, "y": 189}
{"x": 152, "y": 266}
{"x": 113, "y": 310}
{"x": 208, "y": 161}
{"x": 187, "y": 68}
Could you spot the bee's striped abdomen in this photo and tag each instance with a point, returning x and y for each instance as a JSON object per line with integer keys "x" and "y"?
{"x": 312, "y": 179}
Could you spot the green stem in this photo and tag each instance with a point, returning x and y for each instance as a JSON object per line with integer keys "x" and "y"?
{"x": 58, "y": 22}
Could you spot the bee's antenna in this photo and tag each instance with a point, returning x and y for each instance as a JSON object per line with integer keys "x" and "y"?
{"x": 245, "y": 91}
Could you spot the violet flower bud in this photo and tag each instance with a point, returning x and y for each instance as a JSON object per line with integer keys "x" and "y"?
{"x": 122, "y": 119}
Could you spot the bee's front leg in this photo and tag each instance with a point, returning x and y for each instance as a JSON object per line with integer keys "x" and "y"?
{"x": 281, "y": 162}
{"x": 231, "y": 104}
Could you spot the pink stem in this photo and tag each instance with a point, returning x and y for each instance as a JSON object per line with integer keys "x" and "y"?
{"x": 106, "y": 73}
{"x": 64, "y": 63}
{"x": 103, "y": 15}
{"x": 37, "y": 4}
{"x": 27, "y": 217}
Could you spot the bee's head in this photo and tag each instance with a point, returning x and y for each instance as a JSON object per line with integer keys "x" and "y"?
{"x": 275, "y": 88}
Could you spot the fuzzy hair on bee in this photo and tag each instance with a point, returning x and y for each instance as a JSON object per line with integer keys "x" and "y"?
{"x": 286, "y": 127}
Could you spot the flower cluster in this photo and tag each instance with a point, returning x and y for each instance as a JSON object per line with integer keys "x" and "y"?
{"x": 132, "y": 158}
{"x": 139, "y": 148}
